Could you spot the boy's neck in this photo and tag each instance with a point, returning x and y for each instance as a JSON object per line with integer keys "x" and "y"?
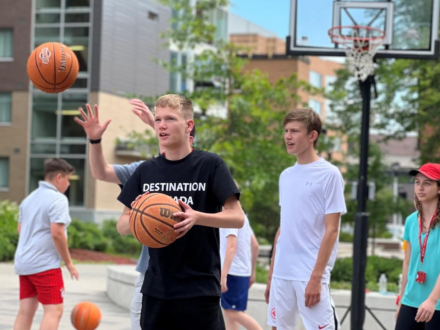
{"x": 307, "y": 157}
{"x": 178, "y": 153}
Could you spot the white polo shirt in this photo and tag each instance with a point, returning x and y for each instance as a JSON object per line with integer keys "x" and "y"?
{"x": 307, "y": 193}
{"x": 36, "y": 251}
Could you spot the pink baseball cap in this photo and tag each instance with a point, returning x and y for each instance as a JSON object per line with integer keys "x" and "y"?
{"x": 430, "y": 170}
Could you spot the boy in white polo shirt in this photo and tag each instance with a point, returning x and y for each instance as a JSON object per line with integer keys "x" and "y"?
{"x": 43, "y": 219}
{"x": 239, "y": 253}
{"x": 312, "y": 202}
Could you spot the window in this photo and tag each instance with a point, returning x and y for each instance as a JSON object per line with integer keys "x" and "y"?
{"x": 44, "y": 117}
{"x": 77, "y": 38}
{"x": 315, "y": 106}
{"x": 315, "y": 79}
{"x": 48, "y": 18}
{"x": 173, "y": 75}
{"x": 77, "y": 18}
{"x": 183, "y": 78}
{"x": 75, "y": 193}
{"x": 6, "y": 44}
{"x": 43, "y": 35}
{"x": 337, "y": 144}
{"x": 4, "y": 172}
{"x": 48, "y": 4}
{"x": 5, "y": 107}
{"x": 153, "y": 16}
{"x": 329, "y": 81}
{"x": 77, "y": 3}
{"x": 71, "y": 132}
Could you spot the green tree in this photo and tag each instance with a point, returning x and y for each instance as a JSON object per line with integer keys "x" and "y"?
{"x": 345, "y": 121}
{"x": 249, "y": 137}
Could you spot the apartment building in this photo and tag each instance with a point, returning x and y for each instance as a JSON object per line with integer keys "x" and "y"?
{"x": 116, "y": 43}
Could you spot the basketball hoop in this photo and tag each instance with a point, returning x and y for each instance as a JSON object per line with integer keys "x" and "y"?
{"x": 361, "y": 44}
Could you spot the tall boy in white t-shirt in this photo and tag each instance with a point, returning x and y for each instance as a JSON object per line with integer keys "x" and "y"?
{"x": 312, "y": 202}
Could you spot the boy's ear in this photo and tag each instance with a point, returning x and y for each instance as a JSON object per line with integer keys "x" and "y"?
{"x": 189, "y": 125}
{"x": 314, "y": 136}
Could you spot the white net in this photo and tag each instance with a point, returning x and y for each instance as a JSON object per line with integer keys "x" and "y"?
{"x": 361, "y": 44}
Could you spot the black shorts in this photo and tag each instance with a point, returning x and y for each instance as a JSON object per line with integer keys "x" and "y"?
{"x": 199, "y": 313}
{"x": 406, "y": 320}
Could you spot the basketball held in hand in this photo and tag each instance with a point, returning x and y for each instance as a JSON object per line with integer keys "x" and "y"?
{"x": 152, "y": 221}
{"x": 85, "y": 316}
{"x": 52, "y": 67}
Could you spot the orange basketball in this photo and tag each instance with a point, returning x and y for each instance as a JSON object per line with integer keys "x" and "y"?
{"x": 152, "y": 220}
{"x": 52, "y": 67}
{"x": 85, "y": 316}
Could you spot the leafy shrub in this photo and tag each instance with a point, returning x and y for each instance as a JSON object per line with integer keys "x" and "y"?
{"x": 118, "y": 243}
{"x": 391, "y": 267}
{"x": 345, "y": 237}
{"x": 8, "y": 230}
{"x": 86, "y": 235}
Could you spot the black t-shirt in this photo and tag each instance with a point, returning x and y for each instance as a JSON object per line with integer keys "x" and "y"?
{"x": 189, "y": 267}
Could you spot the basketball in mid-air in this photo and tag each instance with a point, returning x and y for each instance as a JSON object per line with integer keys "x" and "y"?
{"x": 152, "y": 221}
{"x": 52, "y": 67}
{"x": 85, "y": 316}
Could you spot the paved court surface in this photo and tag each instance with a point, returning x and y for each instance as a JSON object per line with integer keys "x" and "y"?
{"x": 90, "y": 287}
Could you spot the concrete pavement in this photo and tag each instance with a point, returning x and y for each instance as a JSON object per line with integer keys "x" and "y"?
{"x": 90, "y": 287}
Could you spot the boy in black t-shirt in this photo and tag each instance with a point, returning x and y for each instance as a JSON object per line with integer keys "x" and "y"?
{"x": 181, "y": 289}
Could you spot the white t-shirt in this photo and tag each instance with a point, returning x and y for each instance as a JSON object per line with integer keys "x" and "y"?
{"x": 307, "y": 193}
{"x": 242, "y": 263}
{"x": 36, "y": 251}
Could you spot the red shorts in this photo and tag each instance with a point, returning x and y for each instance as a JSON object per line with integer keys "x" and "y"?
{"x": 48, "y": 286}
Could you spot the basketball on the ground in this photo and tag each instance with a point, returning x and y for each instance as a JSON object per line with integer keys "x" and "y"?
{"x": 152, "y": 221}
{"x": 85, "y": 316}
{"x": 52, "y": 67}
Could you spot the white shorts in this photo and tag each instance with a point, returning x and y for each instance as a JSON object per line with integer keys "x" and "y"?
{"x": 287, "y": 303}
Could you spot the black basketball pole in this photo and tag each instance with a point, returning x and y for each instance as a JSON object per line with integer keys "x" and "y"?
{"x": 360, "y": 240}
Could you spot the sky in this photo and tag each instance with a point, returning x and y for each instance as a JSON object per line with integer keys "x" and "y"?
{"x": 273, "y": 15}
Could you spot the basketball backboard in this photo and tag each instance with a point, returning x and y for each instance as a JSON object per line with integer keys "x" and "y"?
{"x": 411, "y": 26}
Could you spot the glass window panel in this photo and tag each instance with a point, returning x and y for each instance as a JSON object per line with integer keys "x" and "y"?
{"x": 315, "y": 79}
{"x": 80, "y": 83}
{"x": 5, "y": 107}
{"x": 48, "y": 18}
{"x": 221, "y": 25}
{"x": 77, "y": 3}
{"x": 43, "y": 148}
{"x": 43, "y": 35}
{"x": 77, "y": 18}
{"x": 329, "y": 81}
{"x": 36, "y": 173}
{"x": 75, "y": 193}
{"x": 6, "y": 43}
{"x": 173, "y": 75}
{"x": 174, "y": 15}
{"x": 48, "y": 4}
{"x": 183, "y": 79}
{"x": 69, "y": 128}
{"x": 77, "y": 38}
{"x": 78, "y": 149}
{"x": 44, "y": 118}
{"x": 4, "y": 172}
{"x": 315, "y": 106}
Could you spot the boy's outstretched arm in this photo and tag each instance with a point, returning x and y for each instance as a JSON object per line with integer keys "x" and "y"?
{"x": 232, "y": 216}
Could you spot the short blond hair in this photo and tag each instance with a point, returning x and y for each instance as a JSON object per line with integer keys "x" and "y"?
{"x": 308, "y": 117}
{"x": 175, "y": 101}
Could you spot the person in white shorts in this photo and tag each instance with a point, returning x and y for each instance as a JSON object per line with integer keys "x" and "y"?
{"x": 239, "y": 253}
{"x": 312, "y": 202}
{"x": 118, "y": 174}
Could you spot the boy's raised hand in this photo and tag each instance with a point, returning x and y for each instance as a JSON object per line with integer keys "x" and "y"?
{"x": 141, "y": 110}
{"x": 93, "y": 128}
